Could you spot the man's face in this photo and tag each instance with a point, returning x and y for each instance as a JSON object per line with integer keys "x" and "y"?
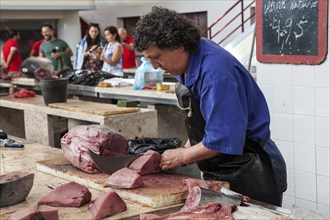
{"x": 47, "y": 33}
{"x": 122, "y": 35}
{"x": 173, "y": 61}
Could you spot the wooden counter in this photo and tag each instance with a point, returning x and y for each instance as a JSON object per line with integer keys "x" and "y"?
{"x": 25, "y": 160}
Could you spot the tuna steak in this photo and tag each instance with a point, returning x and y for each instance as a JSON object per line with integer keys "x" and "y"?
{"x": 124, "y": 179}
{"x": 15, "y": 187}
{"x": 100, "y": 139}
{"x": 70, "y": 194}
{"x": 107, "y": 205}
{"x": 147, "y": 163}
{"x": 32, "y": 213}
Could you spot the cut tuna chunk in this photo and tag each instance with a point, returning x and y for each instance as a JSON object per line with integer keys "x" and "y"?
{"x": 147, "y": 163}
{"x": 32, "y": 213}
{"x": 124, "y": 179}
{"x": 101, "y": 140}
{"x": 15, "y": 187}
{"x": 107, "y": 205}
{"x": 71, "y": 194}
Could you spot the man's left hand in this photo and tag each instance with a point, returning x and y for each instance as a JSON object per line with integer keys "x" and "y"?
{"x": 172, "y": 158}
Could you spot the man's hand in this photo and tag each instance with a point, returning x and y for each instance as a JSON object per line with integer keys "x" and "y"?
{"x": 56, "y": 55}
{"x": 172, "y": 158}
{"x": 4, "y": 66}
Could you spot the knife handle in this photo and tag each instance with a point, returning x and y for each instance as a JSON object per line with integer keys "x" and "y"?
{"x": 10, "y": 143}
{"x": 14, "y": 145}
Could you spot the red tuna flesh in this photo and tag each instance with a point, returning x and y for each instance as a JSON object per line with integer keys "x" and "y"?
{"x": 32, "y": 213}
{"x": 70, "y": 194}
{"x": 147, "y": 163}
{"x": 100, "y": 139}
{"x": 107, "y": 205}
{"x": 124, "y": 179}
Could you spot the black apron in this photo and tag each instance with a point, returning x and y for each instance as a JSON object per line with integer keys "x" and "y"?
{"x": 250, "y": 174}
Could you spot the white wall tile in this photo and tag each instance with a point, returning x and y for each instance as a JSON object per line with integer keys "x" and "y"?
{"x": 264, "y": 74}
{"x": 304, "y": 100}
{"x": 305, "y": 186}
{"x": 303, "y": 75}
{"x": 322, "y": 72}
{"x": 322, "y": 102}
{"x": 323, "y": 192}
{"x": 322, "y": 161}
{"x": 306, "y": 204}
{"x": 282, "y": 126}
{"x": 267, "y": 90}
{"x": 282, "y": 74}
{"x": 290, "y": 191}
{"x": 324, "y": 210}
{"x": 304, "y": 129}
{"x": 304, "y": 158}
{"x": 286, "y": 148}
{"x": 322, "y": 132}
{"x": 288, "y": 202}
{"x": 282, "y": 99}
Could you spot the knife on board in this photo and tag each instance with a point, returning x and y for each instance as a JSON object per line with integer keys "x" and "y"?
{"x": 110, "y": 164}
{"x": 227, "y": 196}
{"x": 7, "y": 142}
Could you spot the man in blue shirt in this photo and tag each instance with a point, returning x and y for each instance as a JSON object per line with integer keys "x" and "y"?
{"x": 225, "y": 112}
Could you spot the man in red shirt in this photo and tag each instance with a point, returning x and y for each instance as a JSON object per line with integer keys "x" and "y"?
{"x": 128, "y": 49}
{"x": 11, "y": 58}
{"x": 35, "y": 48}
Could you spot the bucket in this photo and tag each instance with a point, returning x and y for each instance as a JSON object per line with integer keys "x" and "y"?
{"x": 54, "y": 90}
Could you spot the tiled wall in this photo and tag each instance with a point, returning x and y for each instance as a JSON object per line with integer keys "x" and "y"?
{"x": 298, "y": 97}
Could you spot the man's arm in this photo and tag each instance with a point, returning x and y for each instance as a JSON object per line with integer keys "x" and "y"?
{"x": 69, "y": 51}
{"x": 12, "y": 52}
{"x": 186, "y": 155}
{"x": 129, "y": 46}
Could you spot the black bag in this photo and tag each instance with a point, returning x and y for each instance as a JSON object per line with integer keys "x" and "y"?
{"x": 140, "y": 146}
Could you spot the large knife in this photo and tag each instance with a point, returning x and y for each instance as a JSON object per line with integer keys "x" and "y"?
{"x": 227, "y": 196}
{"x": 110, "y": 164}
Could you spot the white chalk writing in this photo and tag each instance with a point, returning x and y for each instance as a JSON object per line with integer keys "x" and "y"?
{"x": 282, "y": 5}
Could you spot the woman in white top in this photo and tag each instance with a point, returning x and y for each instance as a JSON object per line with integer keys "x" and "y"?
{"x": 112, "y": 52}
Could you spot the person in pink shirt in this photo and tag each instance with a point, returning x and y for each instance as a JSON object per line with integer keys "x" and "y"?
{"x": 11, "y": 58}
{"x": 35, "y": 48}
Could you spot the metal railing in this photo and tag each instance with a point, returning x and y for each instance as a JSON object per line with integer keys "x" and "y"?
{"x": 237, "y": 16}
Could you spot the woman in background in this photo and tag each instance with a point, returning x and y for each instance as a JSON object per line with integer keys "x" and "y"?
{"x": 88, "y": 50}
{"x": 112, "y": 53}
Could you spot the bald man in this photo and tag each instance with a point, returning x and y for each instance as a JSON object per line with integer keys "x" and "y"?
{"x": 128, "y": 49}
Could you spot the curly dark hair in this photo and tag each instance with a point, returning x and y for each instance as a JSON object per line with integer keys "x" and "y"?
{"x": 165, "y": 29}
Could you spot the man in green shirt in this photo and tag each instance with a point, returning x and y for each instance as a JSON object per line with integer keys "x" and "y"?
{"x": 56, "y": 50}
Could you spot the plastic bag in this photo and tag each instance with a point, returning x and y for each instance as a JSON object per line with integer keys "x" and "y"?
{"x": 140, "y": 146}
{"x": 146, "y": 75}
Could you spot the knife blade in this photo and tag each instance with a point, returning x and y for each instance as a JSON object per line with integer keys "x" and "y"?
{"x": 252, "y": 202}
{"x": 110, "y": 164}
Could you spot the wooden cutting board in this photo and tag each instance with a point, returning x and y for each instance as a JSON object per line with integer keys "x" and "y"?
{"x": 159, "y": 190}
{"x": 92, "y": 107}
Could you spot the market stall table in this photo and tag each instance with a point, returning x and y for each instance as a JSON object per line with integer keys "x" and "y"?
{"x": 39, "y": 123}
{"x": 25, "y": 159}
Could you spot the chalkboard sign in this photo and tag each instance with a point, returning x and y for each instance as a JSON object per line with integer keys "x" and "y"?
{"x": 292, "y": 31}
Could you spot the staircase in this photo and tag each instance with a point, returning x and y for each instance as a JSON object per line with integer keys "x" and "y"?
{"x": 241, "y": 45}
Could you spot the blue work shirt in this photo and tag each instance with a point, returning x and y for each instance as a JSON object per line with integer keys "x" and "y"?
{"x": 231, "y": 102}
